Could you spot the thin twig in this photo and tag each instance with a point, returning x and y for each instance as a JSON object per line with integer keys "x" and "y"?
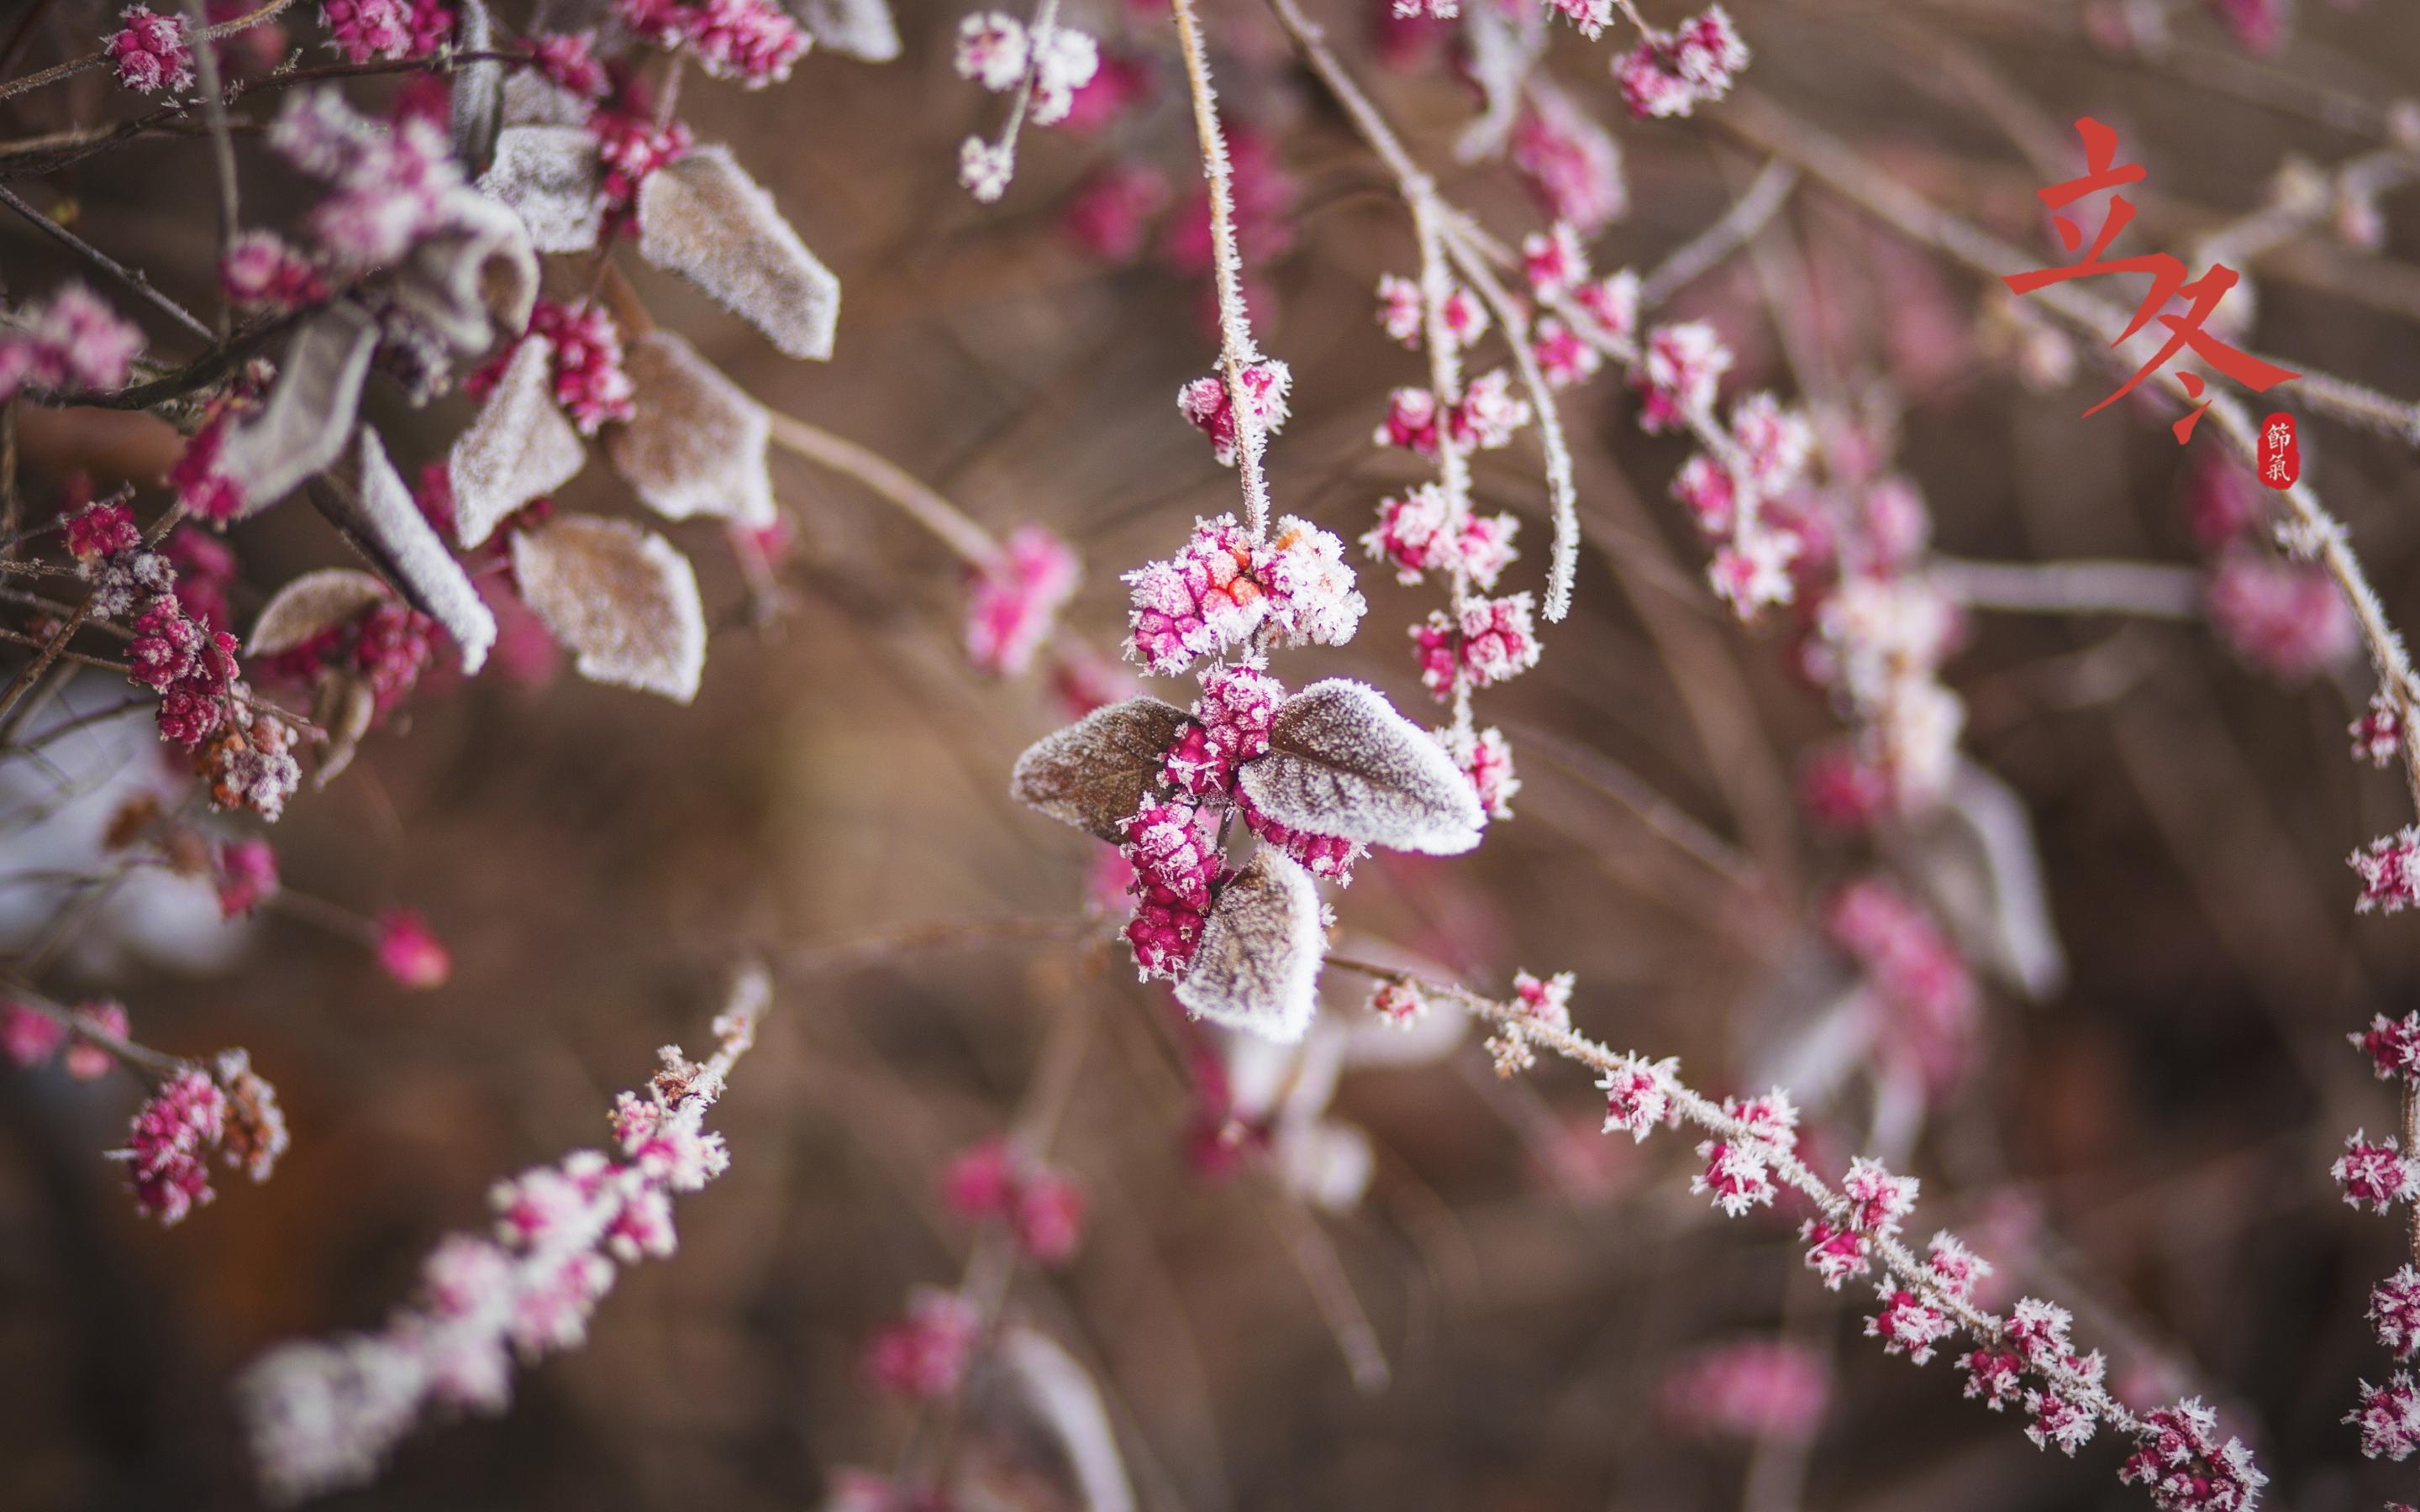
{"x": 141, "y": 285}
{"x": 2150, "y": 589}
{"x": 1738, "y": 227}
{"x": 94, "y": 60}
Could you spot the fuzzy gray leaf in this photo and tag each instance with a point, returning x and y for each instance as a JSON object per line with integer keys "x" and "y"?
{"x": 474, "y": 278}
{"x": 620, "y": 598}
{"x": 302, "y": 427}
{"x": 549, "y": 175}
{"x": 373, "y": 508}
{"x": 861, "y": 28}
{"x": 518, "y": 448}
{"x": 531, "y": 98}
{"x": 478, "y": 87}
{"x": 311, "y": 602}
{"x": 1258, "y": 966}
{"x": 696, "y": 443}
{"x": 705, "y": 219}
{"x": 1341, "y": 761}
{"x": 1091, "y": 774}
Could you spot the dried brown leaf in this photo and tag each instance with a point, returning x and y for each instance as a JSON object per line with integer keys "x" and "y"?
{"x": 696, "y": 443}
{"x": 703, "y": 217}
{"x": 302, "y": 426}
{"x": 520, "y": 447}
{"x": 369, "y": 502}
{"x": 549, "y": 177}
{"x": 1257, "y": 969}
{"x": 1093, "y": 773}
{"x": 620, "y": 598}
{"x": 311, "y": 602}
{"x": 1341, "y": 761}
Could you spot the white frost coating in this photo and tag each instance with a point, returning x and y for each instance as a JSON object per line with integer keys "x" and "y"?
{"x": 518, "y": 448}
{"x": 861, "y": 28}
{"x": 549, "y": 177}
{"x": 531, "y": 98}
{"x": 620, "y": 598}
{"x": 313, "y": 602}
{"x": 696, "y": 443}
{"x": 1258, "y": 966}
{"x": 387, "y": 525}
{"x": 705, "y": 219}
{"x": 1341, "y": 761}
{"x": 302, "y": 427}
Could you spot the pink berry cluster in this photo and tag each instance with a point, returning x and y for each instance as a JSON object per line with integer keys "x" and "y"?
{"x": 1205, "y": 405}
{"x": 150, "y": 53}
{"x": 2379, "y": 1176}
{"x": 30, "y": 1037}
{"x": 244, "y": 872}
{"x": 72, "y": 340}
{"x": 367, "y": 30}
{"x": 1224, "y": 589}
{"x": 589, "y": 383}
{"x": 264, "y": 272}
{"x": 1926, "y": 1000}
{"x": 754, "y": 42}
{"x": 390, "y": 183}
{"x": 1570, "y": 162}
{"x": 924, "y": 1355}
{"x": 2179, "y": 1461}
{"x": 1045, "y": 67}
{"x": 1674, "y": 74}
{"x": 1016, "y": 597}
{"x": 631, "y": 144}
{"x": 1042, "y": 1210}
{"x": 386, "y": 647}
{"x": 196, "y": 1113}
{"x": 323, "y": 1415}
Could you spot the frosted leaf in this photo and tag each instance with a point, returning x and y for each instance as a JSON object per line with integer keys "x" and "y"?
{"x": 1983, "y": 869}
{"x": 705, "y": 219}
{"x": 520, "y": 447}
{"x": 308, "y": 417}
{"x": 1341, "y": 761}
{"x": 474, "y": 278}
{"x": 313, "y": 602}
{"x": 696, "y": 443}
{"x": 861, "y": 28}
{"x": 1257, "y": 969}
{"x": 479, "y": 87}
{"x": 1093, "y": 773}
{"x": 374, "y": 508}
{"x": 550, "y": 178}
{"x": 620, "y": 598}
{"x": 532, "y": 98}
{"x": 1039, "y": 1434}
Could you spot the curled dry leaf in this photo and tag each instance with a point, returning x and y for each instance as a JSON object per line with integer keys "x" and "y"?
{"x": 342, "y": 707}
{"x": 311, "y": 602}
{"x": 475, "y": 278}
{"x": 1093, "y": 773}
{"x": 705, "y": 219}
{"x": 1037, "y": 1435}
{"x": 369, "y": 502}
{"x": 860, "y": 28}
{"x": 1258, "y": 966}
{"x": 518, "y": 448}
{"x": 479, "y": 87}
{"x": 303, "y": 425}
{"x": 620, "y": 598}
{"x": 549, "y": 175}
{"x": 1341, "y": 761}
{"x": 696, "y": 443}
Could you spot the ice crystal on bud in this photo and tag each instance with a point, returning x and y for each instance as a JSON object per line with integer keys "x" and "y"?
{"x": 1497, "y": 640}
{"x": 1404, "y": 313}
{"x": 2388, "y": 1417}
{"x": 2179, "y": 1461}
{"x": 150, "y": 53}
{"x": 2390, "y": 872}
{"x": 1696, "y": 65}
{"x": 2394, "y": 1312}
{"x": 1490, "y": 413}
{"x": 1206, "y": 404}
{"x": 1833, "y": 1253}
{"x": 1413, "y": 535}
{"x": 2374, "y": 1175}
{"x": 991, "y": 50}
{"x": 985, "y": 168}
{"x": 1877, "y": 1199}
{"x": 1678, "y": 374}
{"x": 1909, "y": 1325}
{"x": 1231, "y": 726}
{"x": 1399, "y": 1003}
{"x": 2378, "y": 734}
{"x": 1564, "y": 358}
{"x": 1553, "y": 262}
{"x": 1065, "y": 62}
{"x": 1774, "y": 441}
{"x": 1954, "y": 1266}
{"x": 1175, "y": 856}
{"x": 1549, "y": 1002}
{"x": 1200, "y": 601}
{"x": 2392, "y": 1046}
{"x": 2056, "y": 1420}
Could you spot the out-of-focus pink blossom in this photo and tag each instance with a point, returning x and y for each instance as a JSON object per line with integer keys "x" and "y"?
{"x": 1014, "y": 601}
{"x": 754, "y": 42}
{"x": 1571, "y": 163}
{"x": 84, "y": 1060}
{"x": 28, "y": 1037}
{"x": 69, "y": 340}
{"x": 1754, "y": 1389}
{"x": 1108, "y": 215}
{"x": 926, "y": 1354}
{"x": 245, "y": 873}
{"x": 1678, "y": 374}
{"x": 410, "y": 952}
{"x": 2285, "y": 617}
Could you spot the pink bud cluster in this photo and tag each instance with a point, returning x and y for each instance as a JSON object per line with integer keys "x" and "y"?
{"x": 1927, "y": 991}
{"x": 1206, "y": 405}
{"x": 754, "y": 42}
{"x": 1418, "y": 533}
{"x": 1492, "y": 640}
{"x": 1753, "y": 1390}
{"x": 385, "y": 647}
{"x": 1487, "y": 417}
{"x": 1224, "y": 587}
{"x": 1015, "y": 598}
{"x": 150, "y": 53}
{"x": 1570, "y": 162}
{"x": 1673, "y": 75}
{"x": 364, "y": 30}
{"x": 1739, "y": 1165}
{"x": 1174, "y": 848}
{"x": 2389, "y": 872}
{"x": 1043, "y": 1209}
{"x": 169, "y": 1147}
{"x": 590, "y": 382}
{"x": 2378, "y": 734}
{"x": 996, "y": 51}
{"x": 2179, "y": 1461}
{"x": 1877, "y": 1201}
{"x": 262, "y": 272}
{"x": 30, "y": 1037}
{"x": 390, "y": 184}
{"x": 1402, "y": 312}
{"x": 924, "y": 1355}
{"x": 324, "y": 1415}
{"x": 632, "y": 143}
{"x": 70, "y": 340}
